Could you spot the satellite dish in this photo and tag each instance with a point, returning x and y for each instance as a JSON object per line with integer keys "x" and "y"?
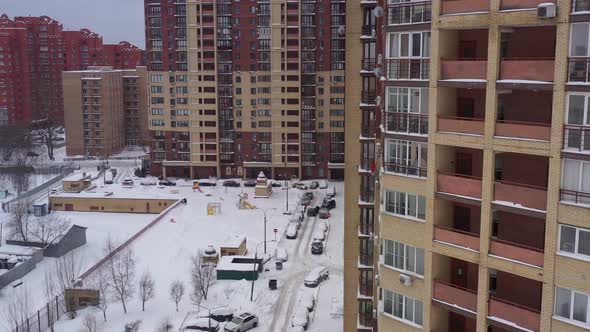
{"x": 342, "y": 30}
{"x": 378, "y": 72}
{"x": 378, "y": 11}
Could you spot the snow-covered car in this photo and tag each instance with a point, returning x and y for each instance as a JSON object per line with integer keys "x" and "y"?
{"x": 201, "y": 324}
{"x": 276, "y": 184}
{"x": 319, "y": 234}
{"x": 292, "y": 230}
{"x": 223, "y": 314}
{"x": 305, "y": 201}
{"x": 317, "y": 247}
{"x": 324, "y": 213}
{"x": 329, "y": 203}
{"x": 314, "y": 185}
{"x": 321, "y": 226}
{"x": 250, "y": 183}
{"x": 281, "y": 254}
{"x": 323, "y": 184}
{"x": 316, "y": 276}
{"x": 331, "y": 192}
{"x": 148, "y": 182}
{"x": 297, "y": 329}
{"x": 299, "y": 186}
{"x": 207, "y": 183}
{"x": 241, "y": 323}
{"x": 167, "y": 183}
{"x": 231, "y": 183}
{"x": 300, "y": 317}
{"x": 127, "y": 182}
{"x": 313, "y": 211}
{"x": 307, "y": 300}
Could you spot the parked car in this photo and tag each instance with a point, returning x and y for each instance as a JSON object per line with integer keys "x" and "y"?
{"x": 316, "y": 276}
{"x": 319, "y": 234}
{"x": 329, "y": 203}
{"x": 322, "y": 225}
{"x": 127, "y": 182}
{"x": 202, "y": 324}
{"x": 231, "y": 183}
{"x": 317, "y": 247}
{"x": 314, "y": 185}
{"x": 32, "y": 154}
{"x": 250, "y": 183}
{"x": 281, "y": 254}
{"x": 299, "y": 186}
{"x": 167, "y": 183}
{"x": 222, "y": 314}
{"x": 308, "y": 194}
{"x": 324, "y": 213}
{"x": 300, "y": 317}
{"x": 292, "y": 230}
{"x": 276, "y": 184}
{"x": 305, "y": 200}
{"x": 331, "y": 192}
{"x": 313, "y": 211}
{"x": 323, "y": 184}
{"x": 307, "y": 300}
{"x": 207, "y": 183}
{"x": 149, "y": 182}
{"x": 241, "y": 323}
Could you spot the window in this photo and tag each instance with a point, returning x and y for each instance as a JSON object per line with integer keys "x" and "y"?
{"x": 408, "y": 45}
{"x": 572, "y": 306}
{"x": 403, "y": 257}
{"x": 574, "y": 240}
{"x": 578, "y": 114}
{"x": 406, "y": 157}
{"x": 156, "y": 78}
{"x": 405, "y": 204}
{"x": 576, "y": 179}
{"x": 579, "y": 40}
{"x": 156, "y": 89}
{"x": 157, "y": 123}
{"x": 407, "y": 100}
{"x": 402, "y": 307}
{"x": 157, "y": 111}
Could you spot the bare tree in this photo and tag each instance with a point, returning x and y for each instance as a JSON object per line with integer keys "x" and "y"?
{"x": 18, "y": 156}
{"x": 165, "y": 325}
{"x": 89, "y": 323}
{"x": 18, "y": 221}
{"x": 47, "y": 130}
{"x": 202, "y": 277}
{"x": 122, "y": 270}
{"x": 101, "y": 281}
{"x": 18, "y": 308}
{"x": 47, "y": 229}
{"x": 147, "y": 288}
{"x": 67, "y": 269}
{"x": 51, "y": 291}
{"x": 176, "y": 292}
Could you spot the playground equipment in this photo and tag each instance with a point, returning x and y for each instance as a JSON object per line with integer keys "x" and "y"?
{"x": 244, "y": 203}
{"x": 263, "y": 187}
{"x": 213, "y": 209}
{"x": 196, "y": 186}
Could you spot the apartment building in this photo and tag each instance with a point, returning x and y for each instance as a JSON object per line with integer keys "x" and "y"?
{"x": 239, "y": 87}
{"x": 33, "y": 53}
{"x": 105, "y": 110}
{"x": 467, "y": 193}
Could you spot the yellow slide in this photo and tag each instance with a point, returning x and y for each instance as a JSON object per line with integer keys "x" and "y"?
{"x": 248, "y": 205}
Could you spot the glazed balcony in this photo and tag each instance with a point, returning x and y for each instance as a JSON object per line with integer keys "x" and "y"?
{"x": 464, "y": 6}
{"x": 576, "y": 138}
{"x": 367, "y": 30}
{"x": 456, "y": 237}
{"x": 366, "y": 260}
{"x": 522, "y": 4}
{"x": 516, "y": 69}
{"x": 406, "y": 170}
{"x": 576, "y": 197}
{"x": 464, "y": 69}
{"x": 368, "y": 130}
{"x": 520, "y": 194}
{"x": 462, "y": 125}
{"x": 369, "y": 64}
{"x": 580, "y": 6}
{"x": 367, "y": 196}
{"x": 516, "y": 251}
{"x": 455, "y": 295}
{"x": 459, "y": 184}
{"x": 408, "y": 69}
{"x": 406, "y": 123}
{"x": 366, "y": 229}
{"x": 366, "y": 289}
{"x": 365, "y": 320}
{"x": 368, "y": 97}
{"x": 409, "y": 12}
{"x": 522, "y": 316}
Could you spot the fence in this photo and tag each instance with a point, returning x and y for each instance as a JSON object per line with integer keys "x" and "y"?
{"x": 21, "y": 269}
{"x": 43, "y": 319}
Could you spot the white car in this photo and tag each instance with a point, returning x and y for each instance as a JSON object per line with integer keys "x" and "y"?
{"x": 322, "y": 225}
{"x": 300, "y": 317}
{"x": 127, "y": 182}
{"x": 316, "y": 276}
{"x": 241, "y": 323}
{"x": 307, "y": 300}
{"x": 201, "y": 324}
{"x": 319, "y": 235}
{"x": 323, "y": 184}
{"x": 148, "y": 182}
{"x": 292, "y": 229}
{"x": 281, "y": 254}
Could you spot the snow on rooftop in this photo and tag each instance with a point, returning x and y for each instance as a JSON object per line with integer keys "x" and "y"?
{"x": 234, "y": 241}
{"x": 77, "y": 177}
{"x": 230, "y": 263}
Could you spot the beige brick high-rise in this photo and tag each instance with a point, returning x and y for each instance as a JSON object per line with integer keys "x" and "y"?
{"x": 474, "y": 159}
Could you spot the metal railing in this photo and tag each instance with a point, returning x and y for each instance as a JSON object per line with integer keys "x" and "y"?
{"x": 367, "y": 30}
{"x": 367, "y": 196}
{"x": 365, "y": 320}
{"x": 410, "y": 123}
{"x": 369, "y": 64}
{"x": 409, "y": 12}
{"x": 579, "y": 69}
{"x": 368, "y": 130}
{"x": 576, "y": 137}
{"x": 43, "y": 319}
{"x": 405, "y": 169}
{"x": 366, "y": 260}
{"x": 408, "y": 69}
{"x": 573, "y": 196}
{"x": 366, "y": 229}
{"x": 368, "y": 97}
{"x": 366, "y": 289}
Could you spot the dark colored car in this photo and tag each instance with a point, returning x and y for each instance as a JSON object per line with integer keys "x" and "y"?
{"x": 207, "y": 183}
{"x": 309, "y": 195}
{"x": 32, "y": 154}
{"x": 313, "y": 211}
{"x": 231, "y": 183}
{"x": 250, "y": 183}
{"x": 317, "y": 247}
{"x": 166, "y": 183}
{"x": 314, "y": 185}
{"x": 276, "y": 184}
{"x": 329, "y": 204}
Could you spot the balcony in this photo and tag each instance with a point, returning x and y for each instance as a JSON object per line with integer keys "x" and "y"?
{"x": 527, "y": 69}
{"x": 367, "y": 197}
{"x": 575, "y": 197}
{"x": 366, "y": 229}
{"x": 366, "y": 289}
{"x": 369, "y": 64}
{"x": 518, "y": 252}
{"x": 459, "y": 184}
{"x": 409, "y": 12}
{"x": 408, "y": 69}
{"x": 367, "y": 30}
{"x": 522, "y": 129}
{"x": 456, "y": 295}
{"x": 576, "y": 138}
{"x": 368, "y": 97}
{"x": 520, "y": 194}
{"x": 579, "y": 69}
{"x": 406, "y": 123}
{"x": 525, "y": 114}
{"x": 366, "y": 260}
{"x": 522, "y": 4}
{"x": 462, "y": 125}
{"x": 464, "y": 69}
{"x": 368, "y": 131}
{"x": 522, "y": 316}
{"x": 406, "y": 170}
{"x": 365, "y": 320}
{"x": 456, "y": 237}
{"x": 464, "y": 6}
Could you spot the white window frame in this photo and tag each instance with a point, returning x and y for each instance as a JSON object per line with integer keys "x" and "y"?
{"x": 405, "y": 248}
{"x": 407, "y": 197}
{"x": 575, "y": 253}
{"x": 403, "y": 157}
{"x": 407, "y": 94}
{"x": 405, "y": 300}
{"x": 571, "y": 41}
{"x": 410, "y": 45}
{"x": 581, "y": 164}
{"x": 570, "y": 319}
{"x": 586, "y": 117}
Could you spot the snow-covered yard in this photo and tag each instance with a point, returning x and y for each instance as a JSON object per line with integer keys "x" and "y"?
{"x": 166, "y": 250}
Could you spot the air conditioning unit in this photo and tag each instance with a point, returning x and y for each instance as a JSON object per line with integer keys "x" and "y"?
{"x": 547, "y": 10}
{"x": 405, "y": 280}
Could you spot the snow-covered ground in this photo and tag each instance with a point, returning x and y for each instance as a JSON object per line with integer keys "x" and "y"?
{"x": 166, "y": 249}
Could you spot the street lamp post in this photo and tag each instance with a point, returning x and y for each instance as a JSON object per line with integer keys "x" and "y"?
{"x": 254, "y": 268}
{"x": 265, "y": 211}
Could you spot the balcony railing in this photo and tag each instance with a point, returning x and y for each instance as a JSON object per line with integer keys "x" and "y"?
{"x": 536, "y": 69}
{"x": 516, "y": 251}
{"x": 366, "y": 229}
{"x": 369, "y": 64}
{"x": 407, "y": 123}
{"x": 366, "y": 289}
{"x": 522, "y": 129}
{"x": 522, "y": 4}
{"x": 368, "y": 130}
{"x": 366, "y": 320}
{"x": 577, "y": 197}
{"x": 368, "y": 97}
{"x": 455, "y": 124}
{"x": 409, "y": 12}
{"x": 456, "y": 237}
{"x": 576, "y": 137}
{"x": 520, "y": 194}
{"x": 454, "y": 294}
{"x": 459, "y": 184}
{"x": 580, "y": 6}
{"x": 367, "y": 196}
{"x": 404, "y": 169}
{"x": 464, "y": 6}
{"x": 525, "y": 317}
{"x": 408, "y": 69}
{"x": 367, "y": 30}
{"x": 367, "y": 164}
{"x": 467, "y": 69}
{"x": 366, "y": 260}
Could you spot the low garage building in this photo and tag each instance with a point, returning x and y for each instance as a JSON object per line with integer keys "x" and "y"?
{"x": 109, "y": 202}
{"x": 238, "y": 268}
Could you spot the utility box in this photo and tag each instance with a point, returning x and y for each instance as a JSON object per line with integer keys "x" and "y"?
{"x": 40, "y": 209}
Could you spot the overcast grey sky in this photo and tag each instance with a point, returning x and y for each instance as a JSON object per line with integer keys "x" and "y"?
{"x": 115, "y": 20}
